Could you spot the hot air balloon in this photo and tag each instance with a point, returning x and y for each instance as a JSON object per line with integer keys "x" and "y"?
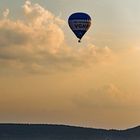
{"x": 79, "y": 24}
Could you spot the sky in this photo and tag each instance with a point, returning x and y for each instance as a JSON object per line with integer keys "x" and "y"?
{"x": 47, "y": 77}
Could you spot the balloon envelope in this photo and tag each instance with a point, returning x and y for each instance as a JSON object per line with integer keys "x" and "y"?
{"x": 79, "y": 24}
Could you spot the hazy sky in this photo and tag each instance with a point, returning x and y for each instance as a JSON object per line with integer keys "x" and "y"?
{"x": 47, "y": 77}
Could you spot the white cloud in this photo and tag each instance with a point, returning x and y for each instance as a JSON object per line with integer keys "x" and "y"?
{"x": 39, "y": 16}
{"x": 6, "y": 13}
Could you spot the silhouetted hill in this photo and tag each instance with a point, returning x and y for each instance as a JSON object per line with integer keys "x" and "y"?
{"x": 62, "y": 132}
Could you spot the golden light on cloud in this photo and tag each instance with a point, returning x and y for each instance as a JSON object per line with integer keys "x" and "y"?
{"x": 45, "y": 79}
{"x": 38, "y": 43}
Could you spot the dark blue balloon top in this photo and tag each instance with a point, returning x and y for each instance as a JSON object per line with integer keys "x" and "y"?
{"x": 80, "y": 15}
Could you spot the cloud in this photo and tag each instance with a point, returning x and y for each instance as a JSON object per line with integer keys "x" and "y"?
{"x": 37, "y": 43}
{"x": 108, "y": 96}
{"x": 37, "y": 15}
{"x": 6, "y": 13}
{"x": 100, "y": 83}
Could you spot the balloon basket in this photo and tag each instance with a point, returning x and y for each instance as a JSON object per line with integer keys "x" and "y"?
{"x": 79, "y": 41}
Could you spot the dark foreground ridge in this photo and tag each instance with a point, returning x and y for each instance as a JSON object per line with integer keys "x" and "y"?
{"x": 62, "y": 132}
